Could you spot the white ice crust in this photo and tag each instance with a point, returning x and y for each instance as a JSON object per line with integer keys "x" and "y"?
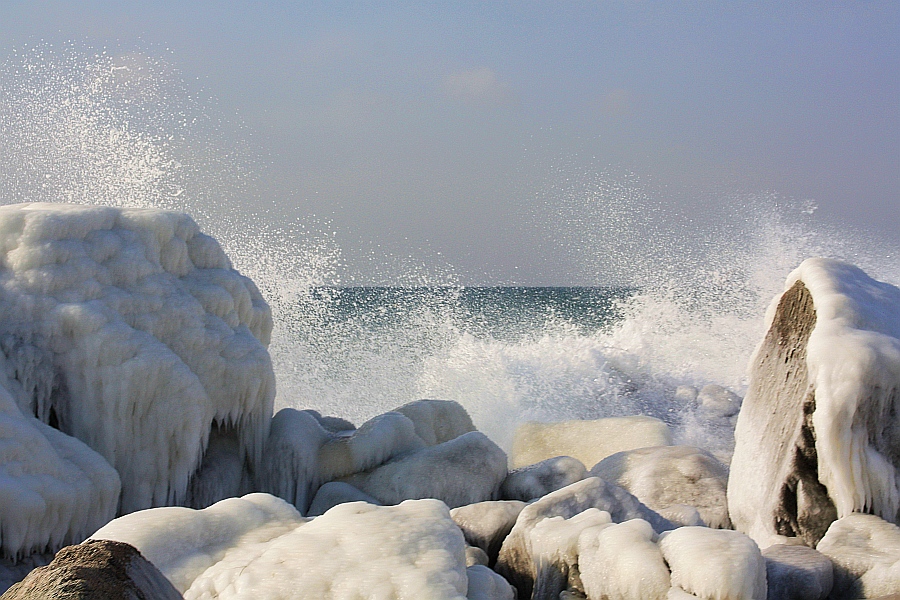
{"x": 259, "y": 546}
{"x": 148, "y": 333}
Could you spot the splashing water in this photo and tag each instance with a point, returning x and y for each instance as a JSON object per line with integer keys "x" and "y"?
{"x": 122, "y": 128}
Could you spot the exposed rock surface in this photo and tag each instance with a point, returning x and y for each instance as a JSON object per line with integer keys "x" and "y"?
{"x": 95, "y": 569}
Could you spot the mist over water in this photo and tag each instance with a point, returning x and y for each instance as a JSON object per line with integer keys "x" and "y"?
{"x": 684, "y": 303}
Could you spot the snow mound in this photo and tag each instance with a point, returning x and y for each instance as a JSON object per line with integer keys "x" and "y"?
{"x": 147, "y": 336}
{"x": 259, "y": 546}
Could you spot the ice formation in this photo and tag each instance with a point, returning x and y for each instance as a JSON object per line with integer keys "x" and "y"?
{"x": 148, "y": 339}
{"x": 830, "y": 363}
{"x": 486, "y": 524}
{"x": 865, "y": 551}
{"x": 259, "y": 546}
{"x": 797, "y": 572}
{"x": 539, "y": 479}
{"x": 588, "y": 441}
{"x": 54, "y": 490}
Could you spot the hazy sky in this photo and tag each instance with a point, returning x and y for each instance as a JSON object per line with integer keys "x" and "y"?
{"x": 473, "y": 131}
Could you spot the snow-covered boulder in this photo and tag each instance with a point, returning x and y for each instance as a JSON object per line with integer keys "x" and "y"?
{"x": 817, "y": 436}
{"x": 465, "y": 470}
{"x": 714, "y": 563}
{"x": 797, "y": 573}
{"x": 437, "y": 421}
{"x": 336, "y": 492}
{"x": 588, "y": 441}
{"x": 486, "y": 524}
{"x": 95, "y": 569}
{"x": 865, "y": 551}
{"x": 259, "y": 546}
{"x": 516, "y": 559}
{"x": 54, "y": 490}
{"x": 537, "y": 480}
{"x": 622, "y": 562}
{"x": 150, "y": 339}
{"x": 670, "y": 478}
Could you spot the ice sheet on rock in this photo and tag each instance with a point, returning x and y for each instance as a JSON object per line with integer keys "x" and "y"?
{"x": 465, "y": 470}
{"x": 336, "y": 492}
{"x": 622, "y": 562}
{"x": 54, "y": 490}
{"x": 485, "y": 584}
{"x": 714, "y": 563}
{"x": 865, "y": 551}
{"x": 486, "y": 524}
{"x": 539, "y": 479}
{"x": 796, "y": 572}
{"x": 666, "y": 477}
{"x": 152, "y": 337}
{"x": 437, "y": 421}
{"x": 588, "y": 441}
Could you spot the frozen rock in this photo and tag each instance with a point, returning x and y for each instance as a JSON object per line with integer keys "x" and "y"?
{"x": 54, "y": 490}
{"x": 797, "y": 573}
{"x": 476, "y": 556}
{"x": 669, "y": 479}
{"x": 717, "y": 401}
{"x": 223, "y": 472}
{"x": 516, "y": 559}
{"x": 259, "y": 546}
{"x": 151, "y": 338}
{"x": 714, "y": 563}
{"x": 14, "y": 571}
{"x": 465, "y": 470}
{"x": 865, "y": 552}
{"x": 437, "y": 421}
{"x": 331, "y": 424}
{"x": 485, "y": 584}
{"x": 622, "y": 562}
{"x": 486, "y": 524}
{"x": 554, "y": 548}
{"x": 588, "y": 441}
{"x": 336, "y": 492}
{"x": 534, "y": 481}
{"x": 816, "y": 438}
{"x": 95, "y": 569}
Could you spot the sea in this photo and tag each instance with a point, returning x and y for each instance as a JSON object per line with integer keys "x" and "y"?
{"x": 104, "y": 126}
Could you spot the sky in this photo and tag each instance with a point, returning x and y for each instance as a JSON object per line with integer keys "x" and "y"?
{"x": 493, "y": 139}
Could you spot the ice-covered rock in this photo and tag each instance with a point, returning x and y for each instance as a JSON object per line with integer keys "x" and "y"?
{"x": 486, "y": 524}
{"x": 534, "y": 481}
{"x": 485, "y": 584}
{"x": 797, "y": 573}
{"x": 259, "y": 546}
{"x": 54, "y": 490}
{"x": 865, "y": 552}
{"x": 465, "y": 470}
{"x": 336, "y": 492}
{"x": 714, "y": 563}
{"x": 437, "y": 421}
{"x": 622, "y": 562}
{"x": 95, "y": 569}
{"x": 717, "y": 401}
{"x": 554, "y": 548}
{"x": 476, "y": 556}
{"x": 516, "y": 559}
{"x": 817, "y": 437}
{"x": 588, "y": 441}
{"x": 670, "y": 479}
{"x": 150, "y": 339}
{"x": 14, "y": 571}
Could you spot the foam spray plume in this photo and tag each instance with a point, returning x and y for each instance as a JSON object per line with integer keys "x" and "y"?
{"x": 123, "y": 129}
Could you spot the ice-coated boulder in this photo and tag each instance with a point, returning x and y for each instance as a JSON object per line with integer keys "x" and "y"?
{"x": 554, "y": 550}
{"x": 534, "y": 481}
{"x": 95, "y": 569}
{"x": 486, "y": 524}
{"x": 54, "y": 490}
{"x": 465, "y": 470}
{"x": 588, "y": 441}
{"x": 669, "y": 479}
{"x": 336, "y": 492}
{"x": 485, "y": 584}
{"x": 476, "y": 556}
{"x": 622, "y": 562}
{"x": 797, "y": 573}
{"x": 437, "y": 421}
{"x": 516, "y": 559}
{"x": 717, "y": 401}
{"x": 259, "y": 546}
{"x": 865, "y": 552}
{"x": 714, "y": 563}
{"x": 147, "y": 339}
{"x": 817, "y": 437}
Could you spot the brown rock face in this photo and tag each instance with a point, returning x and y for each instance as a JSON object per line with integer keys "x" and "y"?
{"x": 95, "y": 569}
{"x": 775, "y": 463}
